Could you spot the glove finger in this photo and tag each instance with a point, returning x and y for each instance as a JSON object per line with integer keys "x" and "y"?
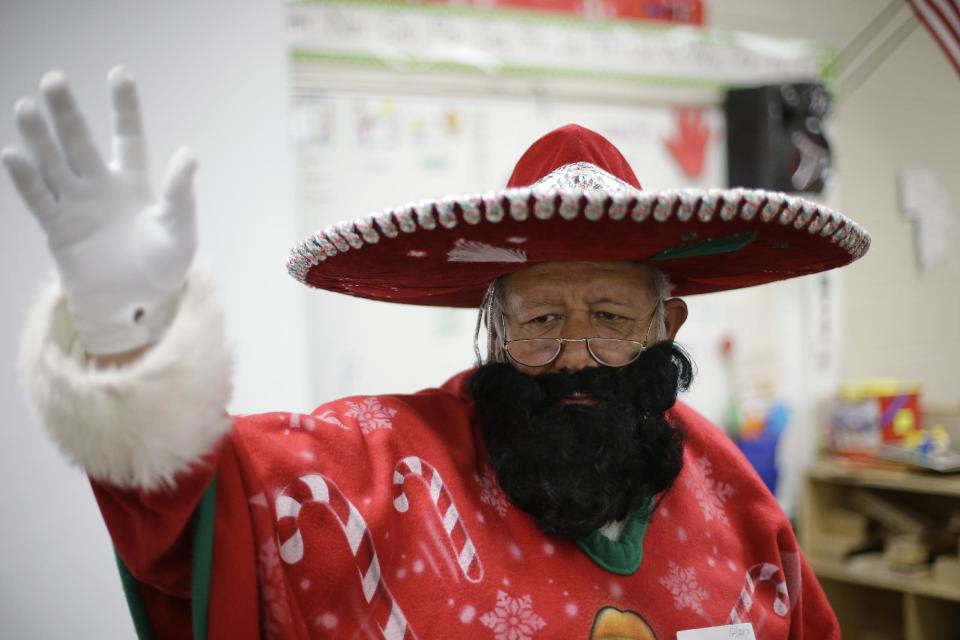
{"x": 129, "y": 143}
{"x": 78, "y": 147}
{"x": 39, "y": 141}
{"x": 30, "y": 186}
{"x": 179, "y": 210}
{"x": 169, "y": 254}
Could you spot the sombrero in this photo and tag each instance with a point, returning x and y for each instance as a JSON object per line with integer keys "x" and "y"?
{"x": 573, "y": 197}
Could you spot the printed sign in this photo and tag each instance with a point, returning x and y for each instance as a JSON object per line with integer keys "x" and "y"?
{"x": 726, "y": 632}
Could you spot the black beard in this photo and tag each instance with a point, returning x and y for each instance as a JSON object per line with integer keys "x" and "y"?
{"x": 575, "y": 467}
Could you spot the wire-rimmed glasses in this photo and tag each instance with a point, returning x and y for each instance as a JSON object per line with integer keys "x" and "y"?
{"x": 610, "y": 352}
{"x": 540, "y": 352}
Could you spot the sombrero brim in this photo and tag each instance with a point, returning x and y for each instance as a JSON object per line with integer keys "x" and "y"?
{"x": 446, "y": 252}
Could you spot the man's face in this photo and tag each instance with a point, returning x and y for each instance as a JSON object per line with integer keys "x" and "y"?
{"x": 584, "y": 300}
{"x": 574, "y": 443}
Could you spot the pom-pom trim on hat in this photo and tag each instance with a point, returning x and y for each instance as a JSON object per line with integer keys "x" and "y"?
{"x": 706, "y": 240}
{"x": 686, "y": 206}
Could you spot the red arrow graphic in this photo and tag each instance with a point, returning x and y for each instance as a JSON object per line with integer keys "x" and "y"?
{"x": 688, "y": 144}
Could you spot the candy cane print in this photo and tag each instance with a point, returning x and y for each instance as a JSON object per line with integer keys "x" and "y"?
{"x": 765, "y": 572}
{"x": 460, "y": 542}
{"x": 323, "y": 490}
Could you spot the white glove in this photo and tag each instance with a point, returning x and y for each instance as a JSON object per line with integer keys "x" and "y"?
{"x": 122, "y": 253}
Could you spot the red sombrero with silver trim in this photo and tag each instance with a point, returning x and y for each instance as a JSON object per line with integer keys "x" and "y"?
{"x": 573, "y": 197}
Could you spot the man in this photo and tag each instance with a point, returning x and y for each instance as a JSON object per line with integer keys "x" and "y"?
{"x": 558, "y": 491}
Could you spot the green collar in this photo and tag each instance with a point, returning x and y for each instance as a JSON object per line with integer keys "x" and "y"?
{"x": 622, "y": 556}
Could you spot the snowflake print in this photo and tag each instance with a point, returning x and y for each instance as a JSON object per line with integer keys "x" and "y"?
{"x": 710, "y": 492}
{"x": 371, "y": 414}
{"x": 683, "y": 586}
{"x": 513, "y": 618}
{"x": 491, "y": 493}
{"x": 273, "y": 600}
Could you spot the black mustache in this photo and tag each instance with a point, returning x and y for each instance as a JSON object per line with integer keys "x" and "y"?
{"x": 536, "y": 393}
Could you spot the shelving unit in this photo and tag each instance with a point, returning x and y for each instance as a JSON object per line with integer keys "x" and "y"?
{"x": 872, "y": 601}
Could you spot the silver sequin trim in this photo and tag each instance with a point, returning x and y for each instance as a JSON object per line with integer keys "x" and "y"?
{"x": 731, "y": 203}
{"x": 571, "y": 183}
{"x": 471, "y": 209}
{"x": 832, "y": 220}
{"x": 386, "y": 224}
{"x": 337, "y": 241}
{"x": 641, "y": 208}
{"x": 446, "y": 213}
{"x": 493, "y": 207}
{"x": 665, "y": 204}
{"x": 583, "y": 176}
{"x": 805, "y": 215}
{"x": 688, "y": 205}
{"x": 794, "y": 205}
{"x": 325, "y": 245}
{"x": 518, "y": 203}
{"x": 406, "y": 219}
{"x": 752, "y": 200}
{"x": 772, "y": 208}
{"x": 817, "y": 222}
{"x": 425, "y": 217}
{"x": 595, "y": 202}
{"x": 618, "y": 208}
{"x": 314, "y": 246}
{"x": 543, "y": 206}
{"x": 570, "y": 205}
{"x": 840, "y": 224}
{"x": 840, "y": 234}
{"x": 347, "y": 232}
{"x": 708, "y": 205}
{"x": 366, "y": 230}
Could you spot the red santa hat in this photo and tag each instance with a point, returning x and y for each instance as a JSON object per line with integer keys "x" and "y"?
{"x": 574, "y": 197}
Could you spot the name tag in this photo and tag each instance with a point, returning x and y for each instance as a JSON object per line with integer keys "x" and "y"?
{"x": 726, "y": 632}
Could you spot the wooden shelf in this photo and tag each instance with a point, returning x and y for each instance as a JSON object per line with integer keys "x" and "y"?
{"x": 895, "y": 479}
{"x": 869, "y": 598}
{"x": 874, "y": 574}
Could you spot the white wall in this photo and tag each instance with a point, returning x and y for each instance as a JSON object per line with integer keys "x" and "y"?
{"x": 213, "y": 74}
{"x": 900, "y": 322}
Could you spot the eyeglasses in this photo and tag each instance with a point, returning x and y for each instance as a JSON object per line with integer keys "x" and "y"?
{"x": 610, "y": 352}
{"x": 539, "y": 352}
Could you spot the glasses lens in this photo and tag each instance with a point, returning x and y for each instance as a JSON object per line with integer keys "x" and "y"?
{"x": 536, "y": 352}
{"x": 613, "y": 352}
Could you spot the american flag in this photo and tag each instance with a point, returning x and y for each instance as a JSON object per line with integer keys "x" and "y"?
{"x": 942, "y": 20}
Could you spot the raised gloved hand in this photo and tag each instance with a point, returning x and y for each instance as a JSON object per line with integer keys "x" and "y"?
{"x": 122, "y": 252}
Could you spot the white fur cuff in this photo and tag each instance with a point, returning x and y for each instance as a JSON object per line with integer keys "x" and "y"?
{"x": 139, "y": 425}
